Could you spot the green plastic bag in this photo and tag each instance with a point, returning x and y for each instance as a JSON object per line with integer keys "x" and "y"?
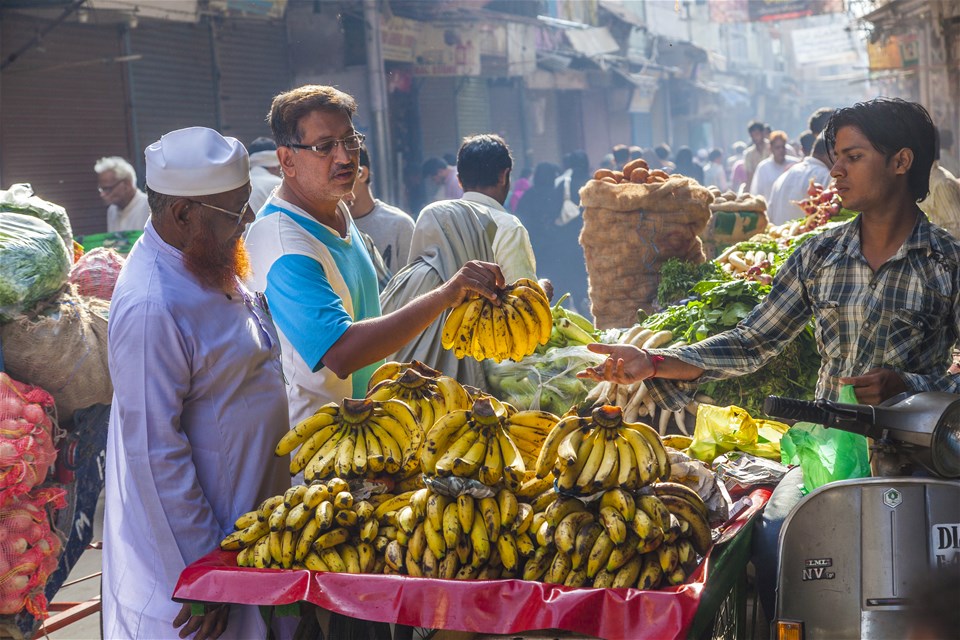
{"x": 826, "y": 455}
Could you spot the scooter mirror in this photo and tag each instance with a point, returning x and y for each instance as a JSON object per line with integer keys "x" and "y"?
{"x": 945, "y": 447}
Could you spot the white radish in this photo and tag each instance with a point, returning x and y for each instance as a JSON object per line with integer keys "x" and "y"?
{"x": 658, "y": 339}
{"x": 640, "y": 337}
{"x": 736, "y": 259}
{"x": 679, "y": 419}
{"x": 665, "y": 417}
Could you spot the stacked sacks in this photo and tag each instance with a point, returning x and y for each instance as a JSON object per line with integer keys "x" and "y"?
{"x": 629, "y": 230}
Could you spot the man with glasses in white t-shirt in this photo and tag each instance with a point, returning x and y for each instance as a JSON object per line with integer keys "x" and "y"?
{"x": 317, "y": 277}
{"x": 127, "y": 207}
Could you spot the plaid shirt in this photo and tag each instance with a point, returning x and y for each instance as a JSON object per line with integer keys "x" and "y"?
{"x": 905, "y": 316}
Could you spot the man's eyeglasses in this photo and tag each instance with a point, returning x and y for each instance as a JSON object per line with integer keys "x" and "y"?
{"x": 239, "y": 216}
{"x": 109, "y": 187}
{"x": 323, "y": 149}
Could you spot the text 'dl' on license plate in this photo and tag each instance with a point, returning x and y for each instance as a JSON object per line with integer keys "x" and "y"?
{"x": 944, "y": 545}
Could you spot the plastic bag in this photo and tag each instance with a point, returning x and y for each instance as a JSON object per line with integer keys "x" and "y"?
{"x": 26, "y": 437}
{"x": 723, "y": 429}
{"x": 96, "y": 273}
{"x": 826, "y": 455}
{"x": 545, "y": 382}
{"x": 20, "y": 199}
{"x": 29, "y": 550}
{"x": 34, "y": 263}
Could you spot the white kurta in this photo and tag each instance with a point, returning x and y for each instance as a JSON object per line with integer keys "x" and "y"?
{"x": 198, "y": 407}
{"x": 132, "y": 217}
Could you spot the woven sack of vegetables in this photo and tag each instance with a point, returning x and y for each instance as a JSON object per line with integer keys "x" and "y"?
{"x": 734, "y": 218}
{"x": 629, "y": 230}
{"x": 62, "y": 347}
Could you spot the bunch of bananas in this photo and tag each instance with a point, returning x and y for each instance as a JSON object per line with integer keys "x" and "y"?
{"x": 512, "y": 329}
{"x": 356, "y": 438}
{"x": 461, "y": 538}
{"x": 430, "y": 397}
{"x": 602, "y": 452}
{"x": 483, "y": 443}
{"x": 620, "y": 540}
{"x": 319, "y": 527}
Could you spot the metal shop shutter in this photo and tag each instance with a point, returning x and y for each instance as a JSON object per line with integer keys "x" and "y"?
{"x": 438, "y": 118}
{"x": 473, "y": 107}
{"x": 173, "y": 84}
{"x": 505, "y": 118}
{"x": 63, "y": 108}
{"x": 252, "y": 55}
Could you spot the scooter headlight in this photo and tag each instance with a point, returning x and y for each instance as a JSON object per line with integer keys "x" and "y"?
{"x": 945, "y": 444}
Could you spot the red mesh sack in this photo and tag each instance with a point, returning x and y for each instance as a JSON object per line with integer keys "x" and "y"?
{"x": 96, "y": 273}
{"x": 29, "y": 550}
{"x": 26, "y": 437}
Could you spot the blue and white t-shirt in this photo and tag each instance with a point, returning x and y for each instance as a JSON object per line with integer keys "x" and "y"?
{"x": 317, "y": 284}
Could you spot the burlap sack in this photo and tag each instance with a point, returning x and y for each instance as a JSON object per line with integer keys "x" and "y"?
{"x": 734, "y": 221}
{"x": 62, "y": 347}
{"x": 629, "y": 230}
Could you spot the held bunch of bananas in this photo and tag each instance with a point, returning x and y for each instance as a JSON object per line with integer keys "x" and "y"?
{"x": 319, "y": 527}
{"x": 587, "y": 455}
{"x": 356, "y": 438}
{"x": 620, "y": 540}
{"x": 463, "y": 538}
{"x": 513, "y": 329}
{"x": 430, "y": 396}
{"x": 480, "y": 443}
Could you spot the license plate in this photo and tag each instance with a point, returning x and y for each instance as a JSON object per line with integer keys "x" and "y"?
{"x": 944, "y": 545}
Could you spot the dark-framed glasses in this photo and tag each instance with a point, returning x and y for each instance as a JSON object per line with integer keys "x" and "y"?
{"x": 325, "y": 148}
{"x": 239, "y": 216}
{"x": 109, "y": 187}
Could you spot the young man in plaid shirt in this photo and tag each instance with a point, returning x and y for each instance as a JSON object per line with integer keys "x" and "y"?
{"x": 882, "y": 289}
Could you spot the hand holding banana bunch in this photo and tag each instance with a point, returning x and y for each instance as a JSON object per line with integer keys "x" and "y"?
{"x": 511, "y": 329}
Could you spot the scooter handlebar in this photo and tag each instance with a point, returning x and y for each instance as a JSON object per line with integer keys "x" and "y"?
{"x": 791, "y": 409}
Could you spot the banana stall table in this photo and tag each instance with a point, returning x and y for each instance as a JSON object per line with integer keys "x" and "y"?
{"x": 494, "y": 606}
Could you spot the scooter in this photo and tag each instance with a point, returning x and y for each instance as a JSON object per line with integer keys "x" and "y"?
{"x": 852, "y": 554}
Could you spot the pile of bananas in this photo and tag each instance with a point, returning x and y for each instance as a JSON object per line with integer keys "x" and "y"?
{"x": 319, "y": 527}
{"x": 483, "y": 443}
{"x": 620, "y": 540}
{"x": 429, "y": 393}
{"x": 513, "y": 329}
{"x": 356, "y": 438}
{"x": 602, "y": 452}
{"x": 463, "y": 538}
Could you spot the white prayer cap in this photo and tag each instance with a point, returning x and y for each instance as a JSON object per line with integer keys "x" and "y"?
{"x": 267, "y": 158}
{"x": 196, "y": 161}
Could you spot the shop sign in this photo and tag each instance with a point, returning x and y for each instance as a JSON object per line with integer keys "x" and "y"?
{"x": 447, "y": 52}
{"x": 885, "y": 55}
{"x": 769, "y": 10}
{"x": 824, "y": 45}
{"x": 398, "y": 39}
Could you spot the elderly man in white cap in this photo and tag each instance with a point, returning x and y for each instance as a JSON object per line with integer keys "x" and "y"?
{"x": 199, "y": 400}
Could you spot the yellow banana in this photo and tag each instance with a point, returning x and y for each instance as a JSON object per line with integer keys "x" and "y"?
{"x": 407, "y": 519}
{"x": 459, "y": 448}
{"x": 463, "y": 334}
{"x": 417, "y": 543}
{"x": 687, "y": 555}
{"x": 455, "y": 397}
{"x": 387, "y": 371}
{"x": 503, "y": 343}
{"x": 656, "y": 444}
{"x": 524, "y": 519}
{"x": 509, "y": 555}
{"x": 536, "y": 566}
{"x": 480, "y": 540}
{"x": 627, "y": 574}
{"x": 451, "y": 325}
{"x": 321, "y": 465}
{"x": 614, "y": 523}
{"x": 650, "y": 535}
{"x": 314, "y": 562}
{"x": 520, "y": 336}
{"x": 394, "y": 503}
{"x": 529, "y": 317}
{"x": 565, "y": 535}
{"x": 676, "y": 577}
{"x": 308, "y": 534}
{"x": 682, "y": 491}
{"x": 245, "y": 557}
{"x": 297, "y": 517}
{"x": 630, "y": 476}
{"x": 245, "y": 520}
{"x": 508, "y": 507}
{"x": 514, "y": 467}
{"x": 468, "y": 464}
{"x": 576, "y": 578}
{"x": 246, "y": 537}
{"x": 548, "y": 453}
{"x": 560, "y": 510}
{"x": 364, "y": 510}
{"x": 333, "y": 560}
{"x": 275, "y": 544}
{"x": 331, "y": 539}
{"x": 543, "y": 501}
{"x": 435, "y": 540}
{"x": 441, "y": 435}
{"x": 684, "y": 511}
{"x": 559, "y": 568}
{"x": 541, "y": 307}
{"x": 587, "y": 536}
{"x": 346, "y": 518}
{"x": 609, "y": 463}
{"x": 324, "y": 514}
{"x": 261, "y": 553}
{"x": 491, "y": 472}
{"x": 567, "y": 451}
{"x": 278, "y": 517}
{"x": 621, "y": 501}
{"x": 350, "y": 556}
{"x": 594, "y": 459}
{"x": 267, "y": 506}
{"x": 451, "y": 525}
{"x": 669, "y": 558}
{"x": 436, "y": 505}
{"x": 316, "y": 444}
{"x": 465, "y": 509}
{"x": 464, "y": 548}
{"x": 490, "y": 512}
{"x": 288, "y": 545}
{"x": 622, "y": 553}
{"x": 366, "y": 557}
{"x": 525, "y": 546}
{"x": 294, "y": 495}
{"x": 599, "y": 554}
{"x": 316, "y": 493}
{"x": 533, "y": 487}
{"x": 651, "y": 573}
{"x": 343, "y": 500}
{"x": 297, "y": 436}
{"x": 344, "y": 463}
